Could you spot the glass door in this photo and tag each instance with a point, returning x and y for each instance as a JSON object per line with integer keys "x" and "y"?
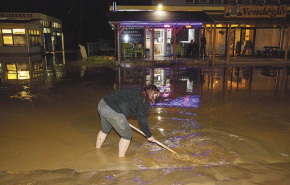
{"x": 159, "y": 42}
{"x": 247, "y": 40}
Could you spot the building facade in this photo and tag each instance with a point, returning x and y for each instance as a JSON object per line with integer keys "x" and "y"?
{"x": 231, "y": 27}
{"x": 30, "y": 33}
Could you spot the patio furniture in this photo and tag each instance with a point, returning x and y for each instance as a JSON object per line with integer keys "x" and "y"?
{"x": 179, "y": 49}
{"x": 271, "y": 50}
{"x": 139, "y": 49}
{"x": 260, "y": 53}
{"x": 127, "y": 50}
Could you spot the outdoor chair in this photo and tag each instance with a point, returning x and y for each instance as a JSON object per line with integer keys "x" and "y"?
{"x": 127, "y": 50}
{"x": 179, "y": 49}
{"x": 139, "y": 49}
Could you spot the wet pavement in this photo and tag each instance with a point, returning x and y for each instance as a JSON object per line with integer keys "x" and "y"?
{"x": 228, "y": 124}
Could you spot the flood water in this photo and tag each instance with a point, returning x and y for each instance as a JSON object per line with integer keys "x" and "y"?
{"x": 228, "y": 124}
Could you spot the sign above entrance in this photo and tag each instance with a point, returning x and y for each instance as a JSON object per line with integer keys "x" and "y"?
{"x": 241, "y": 11}
{"x": 17, "y": 15}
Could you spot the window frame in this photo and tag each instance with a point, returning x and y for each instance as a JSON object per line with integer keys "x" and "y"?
{"x": 13, "y": 37}
{"x": 189, "y": 1}
{"x": 257, "y": 2}
{"x": 250, "y": 1}
{"x": 207, "y": 2}
{"x": 229, "y": 2}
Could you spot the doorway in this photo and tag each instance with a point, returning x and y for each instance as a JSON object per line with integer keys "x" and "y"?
{"x": 243, "y": 39}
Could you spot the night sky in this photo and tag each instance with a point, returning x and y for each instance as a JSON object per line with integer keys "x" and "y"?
{"x": 91, "y": 26}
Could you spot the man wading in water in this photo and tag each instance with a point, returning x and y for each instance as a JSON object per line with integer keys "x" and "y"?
{"x": 116, "y": 106}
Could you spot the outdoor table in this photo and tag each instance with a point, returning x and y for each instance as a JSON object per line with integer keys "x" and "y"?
{"x": 271, "y": 50}
{"x": 260, "y": 52}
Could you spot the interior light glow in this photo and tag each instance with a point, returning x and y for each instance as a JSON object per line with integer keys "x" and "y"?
{"x": 23, "y": 75}
{"x": 160, "y": 6}
{"x": 167, "y": 26}
{"x": 11, "y": 75}
{"x": 188, "y": 26}
{"x": 126, "y": 38}
{"x": 19, "y": 31}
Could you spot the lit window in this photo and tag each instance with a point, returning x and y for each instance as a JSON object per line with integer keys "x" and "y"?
{"x": 34, "y": 38}
{"x": 7, "y": 40}
{"x": 7, "y": 37}
{"x": 46, "y": 30}
{"x": 18, "y": 31}
{"x": 15, "y": 39}
{"x": 19, "y": 40}
{"x": 6, "y": 31}
{"x": 11, "y": 71}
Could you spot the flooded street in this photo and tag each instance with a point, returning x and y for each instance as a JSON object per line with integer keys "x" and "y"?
{"x": 228, "y": 125}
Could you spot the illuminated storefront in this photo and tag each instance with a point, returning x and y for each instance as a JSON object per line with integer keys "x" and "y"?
{"x": 30, "y": 33}
{"x": 156, "y": 33}
{"x": 252, "y": 28}
{"x": 231, "y": 30}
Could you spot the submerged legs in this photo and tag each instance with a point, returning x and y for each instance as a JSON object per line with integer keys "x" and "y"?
{"x": 123, "y": 146}
{"x": 100, "y": 139}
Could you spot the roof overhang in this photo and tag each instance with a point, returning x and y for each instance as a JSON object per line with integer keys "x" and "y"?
{"x": 159, "y": 18}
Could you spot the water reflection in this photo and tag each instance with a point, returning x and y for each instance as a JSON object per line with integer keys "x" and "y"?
{"x": 23, "y": 74}
{"x": 175, "y": 83}
{"x": 31, "y": 73}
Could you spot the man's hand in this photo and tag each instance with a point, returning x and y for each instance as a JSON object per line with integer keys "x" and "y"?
{"x": 151, "y": 139}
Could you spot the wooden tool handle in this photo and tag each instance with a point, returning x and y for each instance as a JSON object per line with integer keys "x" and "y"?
{"x": 161, "y": 144}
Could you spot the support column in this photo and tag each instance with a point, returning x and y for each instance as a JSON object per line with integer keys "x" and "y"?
{"x": 214, "y": 40}
{"x": 165, "y": 42}
{"x": 144, "y": 43}
{"x": 228, "y": 43}
{"x": 286, "y": 44}
{"x": 281, "y": 38}
{"x": 152, "y": 41}
{"x": 119, "y": 44}
{"x": 210, "y": 43}
{"x": 174, "y": 43}
{"x": 116, "y": 50}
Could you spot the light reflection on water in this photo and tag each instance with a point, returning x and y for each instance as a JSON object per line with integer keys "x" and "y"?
{"x": 201, "y": 140}
{"x": 24, "y": 76}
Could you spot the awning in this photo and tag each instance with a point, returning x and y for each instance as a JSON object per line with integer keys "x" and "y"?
{"x": 159, "y": 18}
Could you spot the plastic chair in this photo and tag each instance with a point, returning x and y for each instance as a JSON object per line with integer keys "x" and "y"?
{"x": 179, "y": 49}
{"x": 127, "y": 50}
{"x": 139, "y": 49}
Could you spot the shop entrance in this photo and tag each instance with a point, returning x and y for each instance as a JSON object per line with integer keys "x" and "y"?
{"x": 243, "y": 39}
{"x": 159, "y": 38}
{"x": 161, "y": 42}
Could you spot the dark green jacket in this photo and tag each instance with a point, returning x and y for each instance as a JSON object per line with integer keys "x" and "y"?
{"x": 130, "y": 103}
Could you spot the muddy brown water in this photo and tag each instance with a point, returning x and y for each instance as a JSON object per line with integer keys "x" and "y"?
{"x": 229, "y": 125}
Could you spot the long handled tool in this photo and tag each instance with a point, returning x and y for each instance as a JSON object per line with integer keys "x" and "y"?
{"x": 155, "y": 139}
